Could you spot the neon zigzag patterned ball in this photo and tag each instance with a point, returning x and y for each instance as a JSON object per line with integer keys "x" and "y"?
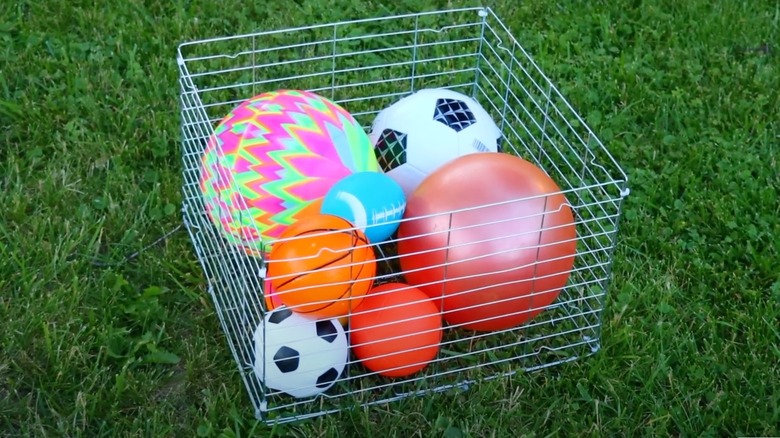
{"x": 272, "y": 157}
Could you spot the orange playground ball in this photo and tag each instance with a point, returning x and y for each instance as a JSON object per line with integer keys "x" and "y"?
{"x": 396, "y": 331}
{"x": 272, "y": 300}
{"x": 324, "y": 269}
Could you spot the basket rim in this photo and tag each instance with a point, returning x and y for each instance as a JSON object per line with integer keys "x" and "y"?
{"x": 481, "y": 10}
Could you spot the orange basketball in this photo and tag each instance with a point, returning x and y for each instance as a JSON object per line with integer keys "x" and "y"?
{"x": 324, "y": 269}
{"x": 272, "y": 301}
{"x": 396, "y": 330}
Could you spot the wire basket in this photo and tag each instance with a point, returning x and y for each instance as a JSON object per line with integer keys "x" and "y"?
{"x": 366, "y": 65}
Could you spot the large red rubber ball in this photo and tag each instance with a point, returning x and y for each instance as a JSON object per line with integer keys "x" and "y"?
{"x": 490, "y": 267}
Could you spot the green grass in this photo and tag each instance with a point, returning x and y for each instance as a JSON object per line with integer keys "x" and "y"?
{"x": 685, "y": 94}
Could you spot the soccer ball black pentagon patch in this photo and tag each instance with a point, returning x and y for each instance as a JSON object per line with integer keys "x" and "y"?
{"x": 286, "y": 359}
{"x": 390, "y": 149}
{"x": 327, "y": 331}
{"x": 500, "y": 144}
{"x": 298, "y": 355}
{"x": 279, "y": 315}
{"x": 327, "y": 378}
{"x": 454, "y": 114}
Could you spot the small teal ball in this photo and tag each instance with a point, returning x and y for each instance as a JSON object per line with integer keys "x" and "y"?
{"x": 371, "y": 201}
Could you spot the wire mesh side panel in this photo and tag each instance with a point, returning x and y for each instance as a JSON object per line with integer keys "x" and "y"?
{"x": 367, "y": 65}
{"x": 364, "y": 65}
{"x": 541, "y": 126}
{"x": 233, "y": 277}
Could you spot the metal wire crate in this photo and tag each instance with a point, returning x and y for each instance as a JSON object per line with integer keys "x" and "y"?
{"x": 366, "y": 65}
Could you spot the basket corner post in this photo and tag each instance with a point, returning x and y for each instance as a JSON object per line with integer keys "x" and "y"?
{"x": 261, "y": 411}
{"x": 483, "y": 14}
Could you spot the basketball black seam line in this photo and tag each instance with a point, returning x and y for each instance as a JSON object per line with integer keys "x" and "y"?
{"x": 324, "y": 266}
{"x": 346, "y": 290}
{"x": 320, "y": 267}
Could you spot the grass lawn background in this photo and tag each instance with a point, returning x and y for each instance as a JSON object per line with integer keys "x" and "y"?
{"x": 685, "y": 94}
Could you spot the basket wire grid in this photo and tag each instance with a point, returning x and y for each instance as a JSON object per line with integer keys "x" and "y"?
{"x": 366, "y": 65}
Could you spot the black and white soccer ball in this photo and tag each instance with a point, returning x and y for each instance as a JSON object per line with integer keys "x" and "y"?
{"x": 419, "y": 133}
{"x": 299, "y": 355}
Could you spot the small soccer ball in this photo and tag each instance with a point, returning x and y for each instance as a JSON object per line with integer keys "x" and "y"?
{"x": 299, "y": 355}
{"x": 421, "y": 132}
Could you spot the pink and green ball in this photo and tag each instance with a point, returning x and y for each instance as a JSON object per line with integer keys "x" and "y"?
{"x": 272, "y": 157}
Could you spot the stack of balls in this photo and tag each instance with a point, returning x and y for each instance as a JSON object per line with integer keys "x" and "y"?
{"x": 485, "y": 240}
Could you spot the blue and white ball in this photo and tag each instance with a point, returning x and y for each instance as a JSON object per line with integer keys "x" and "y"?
{"x": 371, "y": 201}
